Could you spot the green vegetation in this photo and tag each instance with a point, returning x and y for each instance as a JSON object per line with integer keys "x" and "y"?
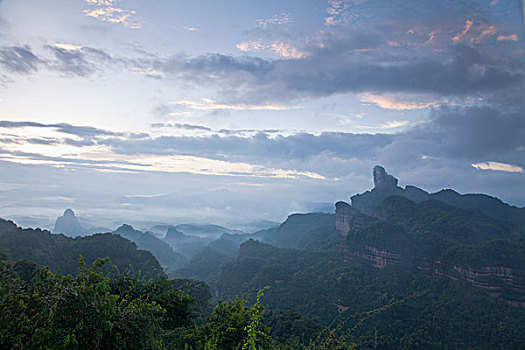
{"x": 60, "y": 253}
{"x": 44, "y": 310}
{"x": 413, "y": 276}
{"x": 161, "y": 250}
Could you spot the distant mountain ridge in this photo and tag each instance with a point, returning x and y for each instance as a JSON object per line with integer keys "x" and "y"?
{"x": 385, "y": 185}
{"x": 167, "y": 257}
{"x": 61, "y": 253}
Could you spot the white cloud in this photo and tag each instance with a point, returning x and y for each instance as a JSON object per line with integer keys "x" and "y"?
{"x": 393, "y": 103}
{"x": 499, "y": 167}
{"x": 280, "y": 19}
{"x": 335, "y": 12}
{"x": 486, "y": 32}
{"x": 100, "y": 2}
{"x": 69, "y": 47}
{"x": 282, "y": 49}
{"x": 394, "y": 124}
{"x": 191, "y": 29}
{"x": 512, "y": 37}
{"x": 431, "y": 37}
{"x": 468, "y": 26}
{"x": 106, "y": 10}
{"x": 206, "y": 104}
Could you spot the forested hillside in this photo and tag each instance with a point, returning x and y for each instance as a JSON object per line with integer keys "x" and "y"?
{"x": 61, "y": 253}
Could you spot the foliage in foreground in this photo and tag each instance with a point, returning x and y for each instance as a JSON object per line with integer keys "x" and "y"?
{"x": 43, "y": 310}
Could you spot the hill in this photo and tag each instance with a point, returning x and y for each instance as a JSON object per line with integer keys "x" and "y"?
{"x": 168, "y": 259}
{"x": 61, "y": 253}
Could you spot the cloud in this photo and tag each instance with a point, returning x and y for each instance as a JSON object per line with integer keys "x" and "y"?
{"x": 512, "y": 37}
{"x": 292, "y": 152}
{"x": 499, "y": 167}
{"x": 82, "y": 131}
{"x": 394, "y": 124}
{"x": 181, "y": 126}
{"x": 335, "y": 12}
{"x": 332, "y": 70}
{"x": 275, "y": 20}
{"x": 100, "y": 2}
{"x": 68, "y": 59}
{"x": 488, "y": 31}
{"x": 431, "y": 37}
{"x": 483, "y": 31}
{"x": 211, "y": 105}
{"x": 282, "y": 49}
{"x": 468, "y": 25}
{"x": 191, "y": 29}
{"x": 66, "y": 46}
{"x": 19, "y": 59}
{"x": 105, "y": 10}
{"x": 386, "y": 102}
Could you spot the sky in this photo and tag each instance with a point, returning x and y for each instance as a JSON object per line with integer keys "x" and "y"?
{"x": 237, "y": 112}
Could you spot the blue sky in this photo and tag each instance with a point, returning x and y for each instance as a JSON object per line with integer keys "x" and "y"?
{"x": 237, "y": 111}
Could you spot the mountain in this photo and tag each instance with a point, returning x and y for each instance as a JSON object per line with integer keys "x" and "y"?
{"x": 208, "y": 230}
{"x": 386, "y": 185}
{"x": 69, "y": 225}
{"x": 299, "y": 230}
{"x": 73, "y": 226}
{"x": 62, "y": 253}
{"x": 399, "y": 268}
{"x": 168, "y": 258}
{"x": 205, "y": 264}
{"x": 185, "y": 244}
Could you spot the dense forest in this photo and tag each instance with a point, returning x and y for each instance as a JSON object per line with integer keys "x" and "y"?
{"x": 44, "y": 310}
{"x": 409, "y": 271}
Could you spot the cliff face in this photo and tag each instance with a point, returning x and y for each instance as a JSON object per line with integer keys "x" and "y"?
{"x": 498, "y": 280}
{"x": 470, "y": 238}
{"x": 379, "y": 258}
{"x": 346, "y": 217}
{"x": 495, "y": 279}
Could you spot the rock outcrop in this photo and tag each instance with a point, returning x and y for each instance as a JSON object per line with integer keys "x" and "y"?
{"x": 382, "y": 179}
{"x": 345, "y": 217}
{"x": 379, "y": 258}
{"x": 386, "y": 185}
{"x": 68, "y": 224}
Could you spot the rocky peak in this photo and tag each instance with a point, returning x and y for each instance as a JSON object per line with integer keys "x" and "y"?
{"x": 382, "y": 179}
{"x": 68, "y": 224}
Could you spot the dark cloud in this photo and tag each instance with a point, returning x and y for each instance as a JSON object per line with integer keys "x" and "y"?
{"x": 70, "y": 61}
{"x": 79, "y": 143}
{"x": 219, "y": 131}
{"x": 181, "y": 126}
{"x": 19, "y": 59}
{"x": 214, "y": 63}
{"x": 481, "y": 132}
{"x": 80, "y": 62}
{"x": 259, "y": 149}
{"x": 341, "y": 66}
{"x": 245, "y": 131}
{"x": 97, "y": 164}
{"x": 43, "y": 141}
{"x": 459, "y": 135}
{"x": 82, "y": 131}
